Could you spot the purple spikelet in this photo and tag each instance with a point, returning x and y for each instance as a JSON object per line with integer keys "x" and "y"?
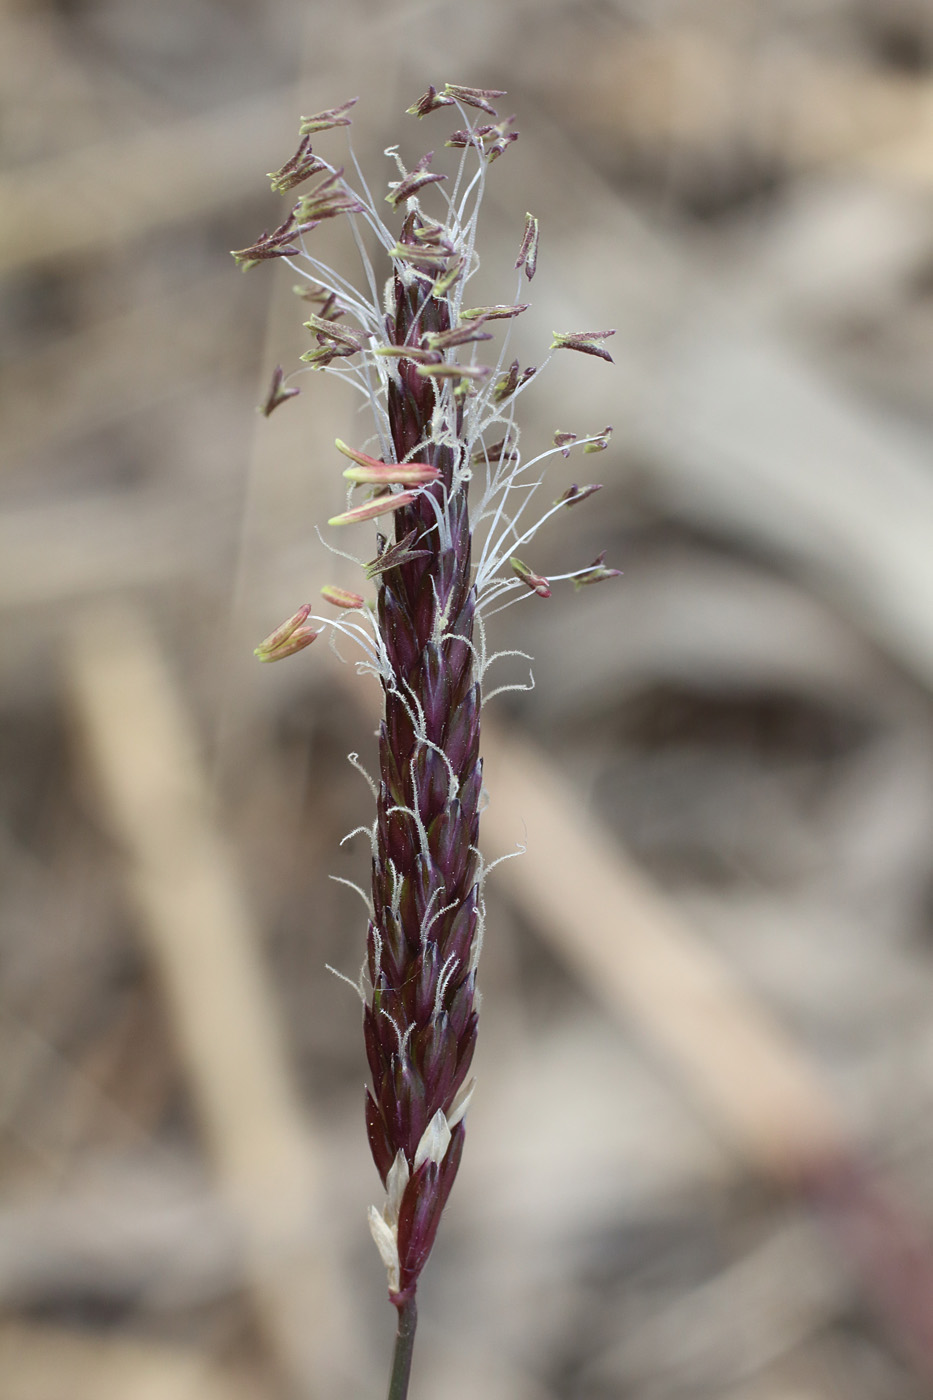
{"x": 420, "y": 1023}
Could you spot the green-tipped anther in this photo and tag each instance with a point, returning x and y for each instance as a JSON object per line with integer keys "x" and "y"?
{"x": 291, "y": 637}
{"x": 536, "y": 582}
{"x": 380, "y": 505}
{"x": 575, "y": 494}
{"x": 528, "y": 252}
{"x": 372, "y": 470}
{"x": 587, "y": 342}
{"x": 596, "y": 573}
{"x": 341, "y": 597}
{"x": 325, "y": 121}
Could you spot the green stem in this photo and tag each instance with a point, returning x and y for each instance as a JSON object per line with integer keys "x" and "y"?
{"x": 404, "y": 1347}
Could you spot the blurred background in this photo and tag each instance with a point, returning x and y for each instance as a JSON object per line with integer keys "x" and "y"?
{"x": 699, "y": 1156}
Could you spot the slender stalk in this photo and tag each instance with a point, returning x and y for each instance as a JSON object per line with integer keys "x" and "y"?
{"x": 404, "y": 1348}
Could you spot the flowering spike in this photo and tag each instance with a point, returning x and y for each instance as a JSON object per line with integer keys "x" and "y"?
{"x": 528, "y": 252}
{"x": 536, "y": 582}
{"x": 341, "y": 597}
{"x": 303, "y": 164}
{"x": 292, "y": 636}
{"x": 596, "y": 573}
{"x": 413, "y": 181}
{"x": 276, "y": 395}
{"x": 325, "y": 121}
{"x": 584, "y": 341}
{"x": 430, "y": 102}
{"x": 575, "y": 494}
{"x": 431, "y": 420}
{"x": 473, "y": 97}
{"x": 379, "y": 505}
